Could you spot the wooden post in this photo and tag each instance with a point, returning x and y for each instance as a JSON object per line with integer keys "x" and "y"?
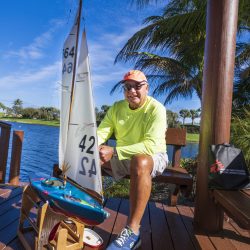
{"x": 4, "y": 148}
{"x": 216, "y": 102}
{"x": 16, "y": 157}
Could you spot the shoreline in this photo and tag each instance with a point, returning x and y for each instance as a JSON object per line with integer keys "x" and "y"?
{"x": 191, "y": 138}
{"x": 53, "y": 123}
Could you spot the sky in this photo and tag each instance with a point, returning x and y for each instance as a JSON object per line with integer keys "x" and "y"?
{"x": 32, "y": 37}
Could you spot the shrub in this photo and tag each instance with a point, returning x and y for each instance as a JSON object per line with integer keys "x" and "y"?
{"x": 240, "y": 134}
{"x": 193, "y": 129}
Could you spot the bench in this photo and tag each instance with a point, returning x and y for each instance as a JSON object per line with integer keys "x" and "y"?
{"x": 175, "y": 174}
{"x": 17, "y": 140}
{"x": 236, "y": 204}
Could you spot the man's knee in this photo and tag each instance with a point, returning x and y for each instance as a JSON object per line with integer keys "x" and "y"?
{"x": 141, "y": 165}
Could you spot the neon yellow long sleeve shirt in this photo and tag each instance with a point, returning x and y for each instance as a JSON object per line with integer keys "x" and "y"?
{"x": 139, "y": 131}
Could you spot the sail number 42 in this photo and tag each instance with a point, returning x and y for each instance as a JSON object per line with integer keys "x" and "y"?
{"x": 82, "y": 145}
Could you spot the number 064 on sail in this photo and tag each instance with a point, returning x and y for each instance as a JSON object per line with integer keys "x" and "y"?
{"x": 78, "y": 147}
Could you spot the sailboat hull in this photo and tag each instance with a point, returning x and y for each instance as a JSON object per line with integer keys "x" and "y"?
{"x": 69, "y": 200}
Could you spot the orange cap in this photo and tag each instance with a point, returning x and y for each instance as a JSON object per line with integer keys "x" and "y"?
{"x": 135, "y": 75}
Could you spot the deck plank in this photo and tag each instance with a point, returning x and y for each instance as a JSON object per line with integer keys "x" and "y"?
{"x": 13, "y": 201}
{"x": 11, "y": 215}
{"x": 121, "y": 219}
{"x": 15, "y": 244}
{"x": 239, "y": 241}
{"x": 199, "y": 241}
{"x": 8, "y": 234}
{"x": 161, "y": 237}
{"x": 219, "y": 240}
{"x": 240, "y": 230}
{"x": 8, "y": 192}
{"x": 145, "y": 230}
{"x": 177, "y": 229}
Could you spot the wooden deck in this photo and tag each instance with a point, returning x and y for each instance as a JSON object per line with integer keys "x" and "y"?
{"x": 163, "y": 227}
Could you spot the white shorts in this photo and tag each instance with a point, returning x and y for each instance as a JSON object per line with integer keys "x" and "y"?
{"x": 122, "y": 168}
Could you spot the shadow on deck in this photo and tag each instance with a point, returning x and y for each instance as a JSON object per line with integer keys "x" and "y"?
{"x": 162, "y": 227}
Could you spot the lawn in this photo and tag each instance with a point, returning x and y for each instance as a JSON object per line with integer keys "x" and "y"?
{"x": 193, "y": 137}
{"x": 32, "y": 121}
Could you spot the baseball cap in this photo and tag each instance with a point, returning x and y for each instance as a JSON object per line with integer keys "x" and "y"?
{"x": 135, "y": 75}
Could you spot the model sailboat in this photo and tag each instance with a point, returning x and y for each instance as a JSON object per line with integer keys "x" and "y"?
{"x": 78, "y": 148}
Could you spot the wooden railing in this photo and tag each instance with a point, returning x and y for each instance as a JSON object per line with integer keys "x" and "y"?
{"x": 15, "y": 162}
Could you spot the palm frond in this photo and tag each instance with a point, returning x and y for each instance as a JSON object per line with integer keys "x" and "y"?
{"x": 242, "y": 54}
{"x": 143, "y": 3}
{"x": 116, "y": 87}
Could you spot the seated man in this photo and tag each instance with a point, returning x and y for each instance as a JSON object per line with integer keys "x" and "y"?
{"x": 139, "y": 123}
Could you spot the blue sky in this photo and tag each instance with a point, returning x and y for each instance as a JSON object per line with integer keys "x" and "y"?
{"x": 32, "y": 37}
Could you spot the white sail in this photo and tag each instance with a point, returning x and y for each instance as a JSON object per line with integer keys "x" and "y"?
{"x": 82, "y": 153}
{"x": 69, "y": 60}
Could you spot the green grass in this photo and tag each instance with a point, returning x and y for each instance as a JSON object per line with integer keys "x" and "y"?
{"x": 193, "y": 137}
{"x": 31, "y": 121}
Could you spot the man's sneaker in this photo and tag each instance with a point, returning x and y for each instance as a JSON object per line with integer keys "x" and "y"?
{"x": 126, "y": 240}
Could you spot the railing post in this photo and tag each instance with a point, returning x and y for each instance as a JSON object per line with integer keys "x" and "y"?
{"x": 16, "y": 157}
{"x": 4, "y": 148}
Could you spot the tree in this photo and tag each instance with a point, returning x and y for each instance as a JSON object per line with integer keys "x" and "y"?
{"x": 194, "y": 114}
{"x": 2, "y": 106}
{"x": 30, "y": 113}
{"x": 17, "y": 107}
{"x": 49, "y": 113}
{"x": 172, "y": 119}
{"x": 240, "y": 135}
{"x": 184, "y": 113}
{"x": 171, "y": 47}
{"x": 100, "y": 114}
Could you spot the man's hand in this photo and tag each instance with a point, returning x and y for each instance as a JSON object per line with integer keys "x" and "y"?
{"x": 105, "y": 153}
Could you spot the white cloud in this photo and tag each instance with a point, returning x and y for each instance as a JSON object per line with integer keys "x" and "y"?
{"x": 35, "y": 49}
{"x": 19, "y": 79}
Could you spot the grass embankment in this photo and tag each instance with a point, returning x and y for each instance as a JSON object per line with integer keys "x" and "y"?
{"x": 32, "y": 121}
{"x": 193, "y": 137}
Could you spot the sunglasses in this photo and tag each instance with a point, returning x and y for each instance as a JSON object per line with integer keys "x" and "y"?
{"x": 128, "y": 87}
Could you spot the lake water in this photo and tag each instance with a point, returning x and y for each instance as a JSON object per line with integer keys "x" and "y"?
{"x": 40, "y": 150}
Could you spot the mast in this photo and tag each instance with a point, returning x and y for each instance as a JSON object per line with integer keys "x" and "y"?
{"x": 75, "y": 59}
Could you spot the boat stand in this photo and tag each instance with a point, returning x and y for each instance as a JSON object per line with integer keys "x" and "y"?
{"x": 37, "y": 220}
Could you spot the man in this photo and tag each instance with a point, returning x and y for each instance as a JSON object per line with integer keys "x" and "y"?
{"x": 139, "y": 125}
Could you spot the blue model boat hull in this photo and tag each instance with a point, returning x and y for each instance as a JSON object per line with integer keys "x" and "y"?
{"x": 69, "y": 200}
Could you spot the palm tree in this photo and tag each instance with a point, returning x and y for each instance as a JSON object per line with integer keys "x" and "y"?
{"x": 171, "y": 47}
{"x": 17, "y": 107}
{"x": 184, "y": 113}
{"x": 18, "y": 102}
{"x": 194, "y": 114}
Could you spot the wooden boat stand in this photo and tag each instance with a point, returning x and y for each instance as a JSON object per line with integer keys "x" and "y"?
{"x": 38, "y": 219}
